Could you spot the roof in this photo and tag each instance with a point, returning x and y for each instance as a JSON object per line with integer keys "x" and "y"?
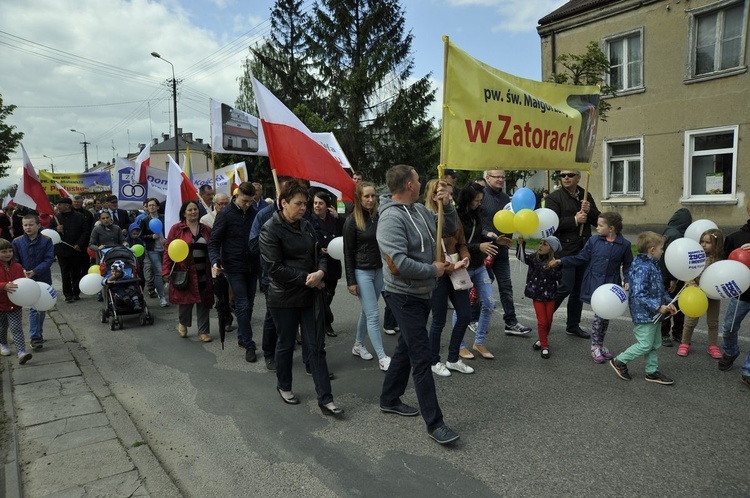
{"x": 572, "y": 8}
{"x": 168, "y": 146}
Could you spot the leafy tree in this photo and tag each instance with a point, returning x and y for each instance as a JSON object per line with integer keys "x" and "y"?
{"x": 9, "y": 139}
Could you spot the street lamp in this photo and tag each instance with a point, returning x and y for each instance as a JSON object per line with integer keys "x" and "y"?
{"x": 85, "y": 150}
{"x": 174, "y": 103}
{"x": 51, "y": 164}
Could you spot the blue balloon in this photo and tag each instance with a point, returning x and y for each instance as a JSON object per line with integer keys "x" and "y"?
{"x": 155, "y": 225}
{"x": 523, "y": 198}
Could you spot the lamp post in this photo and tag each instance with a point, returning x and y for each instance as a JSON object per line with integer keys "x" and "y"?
{"x": 85, "y": 150}
{"x": 51, "y": 164}
{"x": 174, "y": 103}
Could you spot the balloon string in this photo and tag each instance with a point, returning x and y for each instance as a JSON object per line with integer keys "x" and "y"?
{"x": 657, "y": 317}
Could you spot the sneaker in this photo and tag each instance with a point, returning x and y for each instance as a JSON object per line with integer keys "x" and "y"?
{"x": 361, "y": 351}
{"x": 36, "y": 344}
{"x": 517, "y": 329}
{"x": 596, "y": 354}
{"x": 714, "y": 352}
{"x": 384, "y": 363}
{"x": 400, "y": 409}
{"x": 621, "y": 369}
{"x": 4, "y": 350}
{"x": 152, "y": 293}
{"x": 607, "y": 355}
{"x": 726, "y": 361}
{"x": 537, "y": 346}
{"x": 390, "y": 331}
{"x": 444, "y": 435}
{"x": 545, "y": 353}
{"x": 439, "y": 369}
{"x": 473, "y": 327}
{"x": 459, "y": 366}
{"x": 163, "y": 302}
{"x": 23, "y": 357}
{"x": 659, "y": 378}
{"x": 666, "y": 341}
{"x": 683, "y": 350}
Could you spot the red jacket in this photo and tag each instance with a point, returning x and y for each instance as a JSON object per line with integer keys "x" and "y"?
{"x": 191, "y": 294}
{"x": 9, "y": 274}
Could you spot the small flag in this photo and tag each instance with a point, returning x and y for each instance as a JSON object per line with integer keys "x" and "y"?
{"x": 30, "y": 192}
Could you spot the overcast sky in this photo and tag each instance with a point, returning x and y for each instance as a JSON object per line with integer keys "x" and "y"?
{"x": 86, "y": 65}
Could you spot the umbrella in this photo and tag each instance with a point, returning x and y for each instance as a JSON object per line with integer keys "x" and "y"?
{"x": 221, "y": 291}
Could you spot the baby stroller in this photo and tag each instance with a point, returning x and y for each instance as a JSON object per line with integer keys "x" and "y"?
{"x": 123, "y": 296}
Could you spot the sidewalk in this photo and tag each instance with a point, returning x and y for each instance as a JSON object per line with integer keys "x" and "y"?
{"x": 70, "y": 436}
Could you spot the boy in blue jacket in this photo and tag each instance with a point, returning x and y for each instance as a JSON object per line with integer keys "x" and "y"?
{"x": 647, "y": 298}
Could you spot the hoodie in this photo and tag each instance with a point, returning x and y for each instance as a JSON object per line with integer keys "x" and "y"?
{"x": 406, "y": 236}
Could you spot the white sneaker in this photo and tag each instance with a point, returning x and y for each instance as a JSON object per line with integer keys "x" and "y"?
{"x": 163, "y": 302}
{"x": 361, "y": 351}
{"x": 439, "y": 369}
{"x": 384, "y": 363}
{"x": 473, "y": 327}
{"x": 459, "y": 366}
{"x": 4, "y": 350}
{"x": 390, "y": 331}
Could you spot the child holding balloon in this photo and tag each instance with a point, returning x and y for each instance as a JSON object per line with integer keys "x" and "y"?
{"x": 712, "y": 242}
{"x": 10, "y": 313}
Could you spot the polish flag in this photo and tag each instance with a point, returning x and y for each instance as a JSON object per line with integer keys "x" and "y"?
{"x": 7, "y": 201}
{"x": 236, "y": 180}
{"x": 141, "y": 162}
{"x": 179, "y": 190}
{"x": 61, "y": 190}
{"x": 30, "y": 192}
{"x": 294, "y": 151}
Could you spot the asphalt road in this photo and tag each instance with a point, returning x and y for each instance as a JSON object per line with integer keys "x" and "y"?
{"x": 529, "y": 427}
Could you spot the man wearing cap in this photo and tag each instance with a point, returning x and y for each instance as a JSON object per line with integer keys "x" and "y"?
{"x": 74, "y": 234}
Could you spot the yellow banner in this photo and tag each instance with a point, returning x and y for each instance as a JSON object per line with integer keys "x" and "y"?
{"x": 76, "y": 183}
{"x": 494, "y": 120}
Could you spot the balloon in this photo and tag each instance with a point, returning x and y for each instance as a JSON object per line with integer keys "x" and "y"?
{"x": 523, "y": 198}
{"x": 336, "y": 248}
{"x": 740, "y": 255}
{"x": 509, "y": 207}
{"x": 26, "y": 294}
{"x": 155, "y": 225}
{"x": 178, "y": 250}
{"x": 94, "y": 269}
{"x": 526, "y": 221}
{"x": 696, "y": 229}
{"x": 47, "y": 297}
{"x": 138, "y": 250}
{"x": 685, "y": 259}
{"x": 609, "y": 301}
{"x": 725, "y": 279}
{"x": 692, "y": 302}
{"x": 548, "y": 223}
{"x": 90, "y": 284}
{"x": 503, "y": 221}
{"x": 91, "y": 253}
{"x": 52, "y": 234}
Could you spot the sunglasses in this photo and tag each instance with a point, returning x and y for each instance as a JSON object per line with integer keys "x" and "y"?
{"x": 568, "y": 175}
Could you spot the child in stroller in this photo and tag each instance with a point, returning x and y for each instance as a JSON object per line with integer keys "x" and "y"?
{"x": 122, "y": 288}
{"x": 123, "y": 296}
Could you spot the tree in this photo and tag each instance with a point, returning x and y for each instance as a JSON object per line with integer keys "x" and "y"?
{"x": 9, "y": 139}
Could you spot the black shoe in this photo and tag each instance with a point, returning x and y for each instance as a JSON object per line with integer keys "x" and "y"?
{"x": 578, "y": 332}
{"x": 666, "y": 342}
{"x": 334, "y": 411}
{"x": 36, "y": 344}
{"x": 330, "y": 332}
{"x": 152, "y": 294}
{"x": 68, "y": 299}
{"x": 271, "y": 364}
{"x": 536, "y": 346}
{"x": 289, "y": 401}
{"x": 726, "y": 361}
{"x": 400, "y": 409}
{"x": 621, "y": 369}
{"x": 444, "y": 435}
{"x": 250, "y": 355}
{"x": 659, "y": 378}
{"x": 677, "y": 338}
{"x": 76, "y": 298}
{"x": 545, "y": 353}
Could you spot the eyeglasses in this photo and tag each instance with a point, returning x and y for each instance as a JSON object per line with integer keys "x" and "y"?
{"x": 497, "y": 176}
{"x": 568, "y": 175}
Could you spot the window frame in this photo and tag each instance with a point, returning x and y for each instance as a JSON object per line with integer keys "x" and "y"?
{"x": 608, "y": 195}
{"x": 694, "y": 14}
{"x": 689, "y": 154}
{"x": 606, "y": 41}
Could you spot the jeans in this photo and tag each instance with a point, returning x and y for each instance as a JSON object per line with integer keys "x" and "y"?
{"x": 736, "y": 312}
{"x": 412, "y": 354}
{"x": 155, "y": 257}
{"x": 439, "y": 304}
{"x": 389, "y": 321}
{"x": 370, "y": 285}
{"x": 570, "y": 287}
{"x": 501, "y": 269}
{"x": 675, "y": 322}
{"x": 36, "y": 321}
{"x": 483, "y": 284}
{"x": 243, "y": 286}
{"x": 648, "y": 336}
{"x": 287, "y": 320}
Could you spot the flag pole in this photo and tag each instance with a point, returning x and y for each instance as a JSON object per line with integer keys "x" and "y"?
{"x": 213, "y": 154}
{"x": 585, "y": 197}
{"x": 446, "y": 41}
{"x": 276, "y": 182}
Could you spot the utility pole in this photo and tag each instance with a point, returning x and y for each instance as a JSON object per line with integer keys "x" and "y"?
{"x": 51, "y": 164}
{"x": 85, "y": 151}
{"x": 174, "y": 102}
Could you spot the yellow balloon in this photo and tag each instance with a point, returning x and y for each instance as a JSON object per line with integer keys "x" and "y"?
{"x": 693, "y": 302}
{"x": 178, "y": 250}
{"x": 526, "y": 221}
{"x": 94, "y": 269}
{"x": 503, "y": 221}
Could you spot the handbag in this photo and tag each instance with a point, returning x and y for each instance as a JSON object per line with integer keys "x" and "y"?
{"x": 459, "y": 276}
{"x": 179, "y": 279}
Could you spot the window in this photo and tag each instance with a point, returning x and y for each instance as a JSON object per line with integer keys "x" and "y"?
{"x": 710, "y": 164}
{"x": 625, "y": 54}
{"x": 624, "y": 172}
{"x": 717, "y": 33}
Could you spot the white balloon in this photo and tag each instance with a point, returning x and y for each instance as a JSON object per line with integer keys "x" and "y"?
{"x": 548, "y": 223}
{"x": 609, "y": 301}
{"x": 336, "y": 248}
{"x": 90, "y": 284}
{"x": 725, "y": 279}
{"x": 685, "y": 259}
{"x": 26, "y": 294}
{"x": 696, "y": 229}
{"x": 52, "y": 234}
{"x": 47, "y": 297}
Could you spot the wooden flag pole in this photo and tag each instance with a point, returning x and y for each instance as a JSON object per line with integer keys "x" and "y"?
{"x": 585, "y": 197}
{"x": 276, "y": 182}
{"x": 439, "y": 239}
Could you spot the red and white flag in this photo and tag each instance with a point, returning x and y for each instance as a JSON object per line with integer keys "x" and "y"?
{"x": 179, "y": 190}
{"x": 7, "y": 201}
{"x": 61, "y": 190}
{"x": 236, "y": 180}
{"x": 141, "y": 162}
{"x": 293, "y": 150}
{"x": 30, "y": 192}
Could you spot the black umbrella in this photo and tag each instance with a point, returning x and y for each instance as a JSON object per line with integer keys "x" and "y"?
{"x": 221, "y": 291}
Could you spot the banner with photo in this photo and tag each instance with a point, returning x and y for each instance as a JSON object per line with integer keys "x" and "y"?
{"x": 76, "y": 183}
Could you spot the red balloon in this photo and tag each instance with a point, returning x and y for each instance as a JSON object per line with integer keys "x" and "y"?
{"x": 741, "y": 255}
{"x": 91, "y": 252}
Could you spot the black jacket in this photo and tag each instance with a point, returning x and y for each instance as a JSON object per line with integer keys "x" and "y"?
{"x": 566, "y": 206}
{"x": 76, "y": 232}
{"x": 327, "y": 231}
{"x": 147, "y": 235}
{"x": 676, "y": 226}
{"x": 361, "y": 250}
{"x": 228, "y": 244}
{"x": 735, "y": 240}
{"x": 291, "y": 254}
{"x": 473, "y": 232}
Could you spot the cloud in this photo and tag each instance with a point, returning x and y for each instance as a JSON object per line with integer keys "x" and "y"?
{"x": 515, "y": 15}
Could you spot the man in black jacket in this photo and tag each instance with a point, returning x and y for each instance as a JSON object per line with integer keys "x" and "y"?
{"x": 119, "y": 216}
{"x": 229, "y": 253}
{"x": 74, "y": 233}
